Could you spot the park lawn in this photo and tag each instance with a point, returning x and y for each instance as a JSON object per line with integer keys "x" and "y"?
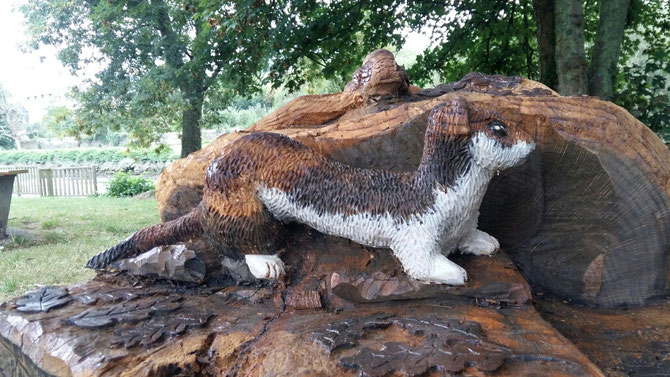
{"x": 70, "y": 231}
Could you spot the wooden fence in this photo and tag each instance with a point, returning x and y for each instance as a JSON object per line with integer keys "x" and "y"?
{"x": 79, "y": 181}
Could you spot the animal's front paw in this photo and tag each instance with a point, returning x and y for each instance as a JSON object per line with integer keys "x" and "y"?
{"x": 444, "y": 271}
{"x": 265, "y": 266}
{"x": 478, "y": 243}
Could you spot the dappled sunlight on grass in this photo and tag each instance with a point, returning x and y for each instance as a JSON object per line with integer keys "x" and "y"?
{"x": 67, "y": 231}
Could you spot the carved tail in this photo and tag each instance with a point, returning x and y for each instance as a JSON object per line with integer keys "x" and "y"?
{"x": 180, "y": 229}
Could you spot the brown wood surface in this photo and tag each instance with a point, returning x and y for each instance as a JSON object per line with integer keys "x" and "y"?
{"x": 633, "y": 342}
{"x": 586, "y": 218}
{"x": 367, "y": 318}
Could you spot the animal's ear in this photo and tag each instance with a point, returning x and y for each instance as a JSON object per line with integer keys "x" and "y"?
{"x": 453, "y": 117}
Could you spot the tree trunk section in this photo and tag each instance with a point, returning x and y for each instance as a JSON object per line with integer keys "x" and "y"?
{"x": 585, "y": 219}
{"x": 546, "y": 41}
{"x": 570, "y": 56}
{"x": 608, "y": 336}
{"x": 607, "y": 47}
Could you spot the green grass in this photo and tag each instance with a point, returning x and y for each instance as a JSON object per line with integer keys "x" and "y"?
{"x": 71, "y": 230}
{"x": 50, "y": 224}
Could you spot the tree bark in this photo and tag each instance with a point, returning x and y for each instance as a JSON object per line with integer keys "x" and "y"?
{"x": 546, "y": 41}
{"x": 570, "y": 56}
{"x": 190, "y": 137}
{"x": 17, "y": 142}
{"x": 607, "y": 47}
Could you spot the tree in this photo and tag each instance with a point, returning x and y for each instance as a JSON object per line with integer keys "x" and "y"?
{"x": 567, "y": 18}
{"x": 172, "y": 64}
{"x": 160, "y": 56}
{"x": 543, "y": 11}
{"x": 152, "y": 51}
{"x": 605, "y": 56}
{"x": 60, "y": 121}
{"x": 617, "y": 50}
{"x": 311, "y": 40}
{"x": 6, "y": 138}
{"x": 17, "y": 120}
{"x": 474, "y": 35}
{"x": 13, "y": 121}
{"x": 642, "y": 82}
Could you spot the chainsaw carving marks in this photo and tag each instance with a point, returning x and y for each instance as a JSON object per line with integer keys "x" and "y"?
{"x": 446, "y": 346}
{"x": 264, "y": 180}
{"x": 43, "y": 300}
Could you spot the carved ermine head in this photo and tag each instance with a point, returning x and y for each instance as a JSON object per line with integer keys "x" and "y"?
{"x": 491, "y": 141}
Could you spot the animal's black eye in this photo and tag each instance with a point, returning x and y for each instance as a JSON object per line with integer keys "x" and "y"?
{"x": 498, "y": 128}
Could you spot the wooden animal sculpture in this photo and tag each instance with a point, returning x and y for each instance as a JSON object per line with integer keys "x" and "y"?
{"x": 265, "y": 180}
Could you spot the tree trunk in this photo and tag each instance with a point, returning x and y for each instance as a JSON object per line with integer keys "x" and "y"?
{"x": 191, "y": 83}
{"x": 570, "y": 56}
{"x": 546, "y": 41}
{"x": 607, "y": 47}
{"x": 190, "y": 124}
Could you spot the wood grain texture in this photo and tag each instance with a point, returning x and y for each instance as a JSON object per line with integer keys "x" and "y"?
{"x": 586, "y": 218}
{"x": 634, "y": 342}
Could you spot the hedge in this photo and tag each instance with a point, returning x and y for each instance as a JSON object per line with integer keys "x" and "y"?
{"x": 82, "y": 155}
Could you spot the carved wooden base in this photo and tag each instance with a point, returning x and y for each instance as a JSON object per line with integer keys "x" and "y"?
{"x": 585, "y": 218}
{"x": 623, "y": 342}
{"x": 367, "y": 318}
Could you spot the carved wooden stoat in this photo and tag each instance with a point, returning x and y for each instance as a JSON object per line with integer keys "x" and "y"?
{"x": 264, "y": 180}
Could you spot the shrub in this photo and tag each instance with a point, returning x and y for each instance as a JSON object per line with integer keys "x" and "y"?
{"x": 127, "y": 185}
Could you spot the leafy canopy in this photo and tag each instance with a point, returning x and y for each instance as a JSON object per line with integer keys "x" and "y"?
{"x": 161, "y": 59}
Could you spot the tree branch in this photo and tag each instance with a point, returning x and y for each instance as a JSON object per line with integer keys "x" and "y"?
{"x": 170, "y": 45}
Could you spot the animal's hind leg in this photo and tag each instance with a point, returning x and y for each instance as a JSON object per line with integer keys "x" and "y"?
{"x": 242, "y": 229}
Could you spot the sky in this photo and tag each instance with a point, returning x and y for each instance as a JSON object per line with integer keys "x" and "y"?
{"x": 29, "y": 77}
{"x": 34, "y": 73}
